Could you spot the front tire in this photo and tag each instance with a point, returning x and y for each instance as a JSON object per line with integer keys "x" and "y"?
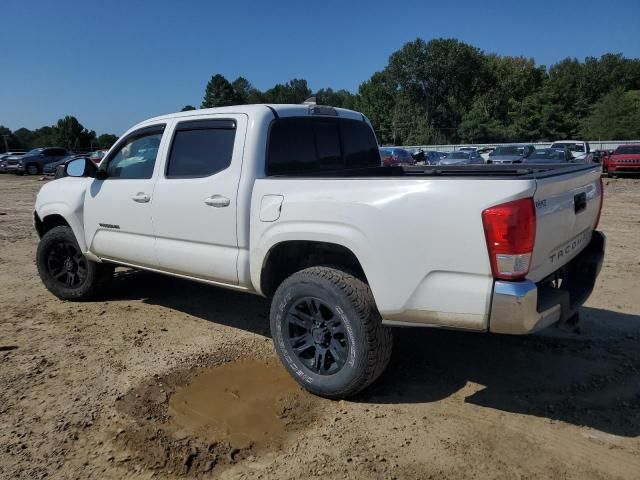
{"x": 32, "y": 169}
{"x": 65, "y": 271}
{"x": 328, "y": 333}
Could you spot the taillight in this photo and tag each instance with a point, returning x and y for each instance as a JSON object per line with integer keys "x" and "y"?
{"x": 601, "y": 202}
{"x": 510, "y": 231}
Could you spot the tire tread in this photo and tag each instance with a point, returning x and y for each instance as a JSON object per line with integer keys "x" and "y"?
{"x": 379, "y": 337}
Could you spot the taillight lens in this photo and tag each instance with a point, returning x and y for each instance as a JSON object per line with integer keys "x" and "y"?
{"x": 510, "y": 231}
{"x": 601, "y": 202}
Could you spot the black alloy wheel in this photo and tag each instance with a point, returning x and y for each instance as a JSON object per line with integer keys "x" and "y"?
{"x": 317, "y": 336}
{"x": 64, "y": 269}
{"x": 67, "y": 265}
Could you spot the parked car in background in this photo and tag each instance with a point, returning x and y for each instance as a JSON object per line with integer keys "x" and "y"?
{"x": 8, "y": 154}
{"x": 96, "y": 157}
{"x": 579, "y": 150}
{"x": 547, "y": 155}
{"x": 34, "y": 161}
{"x": 485, "y": 152}
{"x": 50, "y": 168}
{"x": 432, "y": 157}
{"x": 394, "y": 156}
{"x": 462, "y": 157}
{"x": 468, "y": 149}
{"x": 624, "y": 160}
{"x": 5, "y": 157}
{"x": 510, "y": 154}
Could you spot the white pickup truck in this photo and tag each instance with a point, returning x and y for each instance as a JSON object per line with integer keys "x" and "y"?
{"x": 290, "y": 202}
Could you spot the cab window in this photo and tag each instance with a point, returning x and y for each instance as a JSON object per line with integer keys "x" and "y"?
{"x": 201, "y": 148}
{"x": 136, "y": 156}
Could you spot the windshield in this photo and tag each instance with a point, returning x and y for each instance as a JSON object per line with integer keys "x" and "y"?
{"x": 627, "y": 150}
{"x": 547, "y": 154}
{"x": 35, "y": 151}
{"x": 458, "y": 155}
{"x": 508, "y": 151}
{"x": 574, "y": 147}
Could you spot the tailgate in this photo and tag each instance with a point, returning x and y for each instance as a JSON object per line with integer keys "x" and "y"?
{"x": 566, "y": 211}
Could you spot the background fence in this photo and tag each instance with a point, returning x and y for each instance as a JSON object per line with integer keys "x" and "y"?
{"x": 595, "y": 145}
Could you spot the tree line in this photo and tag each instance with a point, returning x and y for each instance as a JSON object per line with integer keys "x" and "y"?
{"x": 67, "y": 132}
{"x": 447, "y": 91}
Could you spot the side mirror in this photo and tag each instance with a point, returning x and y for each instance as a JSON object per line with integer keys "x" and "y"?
{"x": 80, "y": 167}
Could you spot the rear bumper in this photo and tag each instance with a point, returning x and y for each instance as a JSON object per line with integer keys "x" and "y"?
{"x": 519, "y": 308}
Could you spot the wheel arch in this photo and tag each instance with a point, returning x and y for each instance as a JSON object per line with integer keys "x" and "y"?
{"x": 48, "y": 218}
{"x": 289, "y": 256}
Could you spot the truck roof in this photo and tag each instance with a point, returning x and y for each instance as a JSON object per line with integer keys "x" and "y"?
{"x": 259, "y": 109}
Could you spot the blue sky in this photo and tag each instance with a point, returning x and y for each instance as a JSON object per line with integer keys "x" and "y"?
{"x": 112, "y": 63}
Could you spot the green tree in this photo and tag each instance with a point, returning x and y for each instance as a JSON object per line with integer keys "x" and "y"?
{"x": 336, "y": 98}
{"x": 616, "y": 116}
{"x": 376, "y": 99}
{"x": 218, "y": 93}
{"x": 245, "y": 92}
{"x": 43, "y": 137}
{"x": 9, "y": 139}
{"x": 187, "y": 108}
{"x": 70, "y": 133}
{"x": 442, "y": 77}
{"x": 24, "y": 137}
{"x": 106, "y": 140}
{"x": 293, "y": 92}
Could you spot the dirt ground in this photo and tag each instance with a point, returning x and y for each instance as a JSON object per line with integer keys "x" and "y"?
{"x": 119, "y": 388}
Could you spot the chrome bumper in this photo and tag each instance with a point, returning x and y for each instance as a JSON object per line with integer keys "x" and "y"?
{"x": 523, "y": 307}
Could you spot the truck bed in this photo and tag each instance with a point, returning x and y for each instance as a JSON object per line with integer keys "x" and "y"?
{"x": 492, "y": 171}
{"x": 419, "y": 238}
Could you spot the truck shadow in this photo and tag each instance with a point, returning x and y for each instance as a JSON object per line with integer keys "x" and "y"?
{"x": 590, "y": 378}
{"x": 217, "y": 305}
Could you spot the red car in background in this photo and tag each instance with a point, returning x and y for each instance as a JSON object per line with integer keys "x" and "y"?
{"x": 624, "y": 159}
{"x": 394, "y": 156}
{"x": 96, "y": 157}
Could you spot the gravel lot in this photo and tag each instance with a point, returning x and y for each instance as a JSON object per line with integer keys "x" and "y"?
{"x": 115, "y": 388}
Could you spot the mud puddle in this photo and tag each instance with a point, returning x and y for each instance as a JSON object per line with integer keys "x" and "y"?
{"x": 199, "y": 420}
{"x": 246, "y": 403}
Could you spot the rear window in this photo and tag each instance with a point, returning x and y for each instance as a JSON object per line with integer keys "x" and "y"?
{"x": 303, "y": 145}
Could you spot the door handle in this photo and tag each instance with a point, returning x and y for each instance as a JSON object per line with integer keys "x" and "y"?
{"x": 217, "y": 201}
{"x": 141, "y": 197}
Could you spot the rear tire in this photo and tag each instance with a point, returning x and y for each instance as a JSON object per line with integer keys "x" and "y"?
{"x": 328, "y": 333}
{"x": 65, "y": 271}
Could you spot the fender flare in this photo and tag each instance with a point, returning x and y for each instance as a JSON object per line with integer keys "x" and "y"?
{"x": 340, "y": 234}
{"x": 73, "y": 219}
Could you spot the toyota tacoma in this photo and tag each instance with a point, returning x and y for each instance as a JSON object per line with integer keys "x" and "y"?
{"x": 291, "y": 202}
